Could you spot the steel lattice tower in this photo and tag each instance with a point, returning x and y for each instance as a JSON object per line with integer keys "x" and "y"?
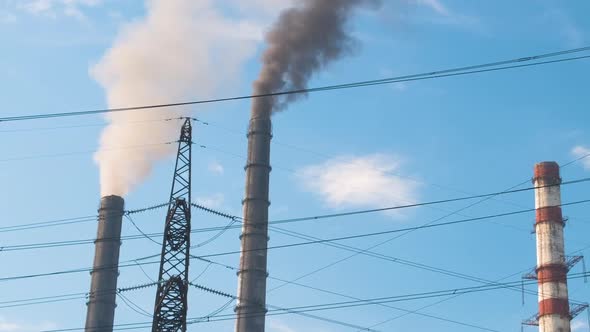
{"x": 171, "y": 298}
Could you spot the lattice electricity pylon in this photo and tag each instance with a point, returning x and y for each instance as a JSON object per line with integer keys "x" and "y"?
{"x": 171, "y": 298}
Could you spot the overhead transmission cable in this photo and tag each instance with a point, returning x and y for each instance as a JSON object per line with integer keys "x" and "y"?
{"x": 465, "y": 70}
{"x": 272, "y": 222}
{"x": 134, "y": 262}
{"x": 88, "y": 125}
{"x": 331, "y": 242}
{"x": 325, "y": 291}
{"x": 74, "y": 153}
{"x": 66, "y": 243}
{"x": 562, "y": 165}
{"x": 342, "y": 304}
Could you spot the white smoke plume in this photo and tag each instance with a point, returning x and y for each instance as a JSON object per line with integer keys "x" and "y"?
{"x": 182, "y": 50}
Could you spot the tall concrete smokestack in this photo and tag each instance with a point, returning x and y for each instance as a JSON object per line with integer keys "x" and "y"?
{"x": 101, "y": 302}
{"x": 304, "y": 40}
{"x": 251, "y": 306}
{"x": 554, "y": 312}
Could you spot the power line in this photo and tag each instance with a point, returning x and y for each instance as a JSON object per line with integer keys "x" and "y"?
{"x": 31, "y": 246}
{"x": 134, "y": 262}
{"x": 290, "y": 220}
{"x": 562, "y": 165}
{"x": 215, "y": 236}
{"x": 466, "y": 70}
{"x": 140, "y": 231}
{"x": 389, "y": 231}
{"x": 133, "y": 306}
{"x": 398, "y": 261}
{"x": 233, "y": 297}
{"x": 399, "y": 207}
{"x": 72, "y": 220}
{"x": 408, "y": 297}
{"x": 51, "y": 223}
{"x": 74, "y": 153}
{"x": 210, "y": 262}
{"x": 347, "y": 304}
{"x": 207, "y": 124}
{"x": 440, "y": 301}
{"x": 88, "y": 125}
{"x": 67, "y": 297}
{"x": 576, "y": 160}
{"x": 392, "y": 259}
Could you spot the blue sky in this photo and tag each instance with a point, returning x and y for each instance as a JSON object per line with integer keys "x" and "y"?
{"x": 334, "y": 151}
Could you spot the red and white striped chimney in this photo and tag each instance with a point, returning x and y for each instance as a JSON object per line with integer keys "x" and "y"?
{"x": 554, "y": 313}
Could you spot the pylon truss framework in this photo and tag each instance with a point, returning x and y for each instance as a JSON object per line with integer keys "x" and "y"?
{"x": 170, "y": 308}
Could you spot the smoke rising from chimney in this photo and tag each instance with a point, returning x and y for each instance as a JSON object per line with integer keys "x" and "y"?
{"x": 182, "y": 50}
{"x": 304, "y": 39}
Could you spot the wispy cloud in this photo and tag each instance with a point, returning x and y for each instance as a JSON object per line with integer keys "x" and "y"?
{"x": 13, "y": 326}
{"x": 387, "y": 73}
{"x": 56, "y": 8}
{"x": 216, "y": 168}
{"x": 435, "y": 5}
{"x": 565, "y": 26}
{"x": 445, "y": 15}
{"x": 579, "y": 325}
{"x": 7, "y": 17}
{"x": 214, "y": 201}
{"x": 360, "y": 181}
{"x": 582, "y": 152}
{"x": 279, "y": 326}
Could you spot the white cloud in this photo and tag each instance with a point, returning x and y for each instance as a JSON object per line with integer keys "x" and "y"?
{"x": 566, "y": 27}
{"x": 388, "y": 73}
{"x": 9, "y": 326}
{"x": 55, "y": 8}
{"x": 75, "y": 13}
{"x": 214, "y": 201}
{"x": 582, "y": 152}
{"x": 446, "y": 16}
{"x": 38, "y": 6}
{"x": 435, "y": 5}
{"x": 278, "y": 326}
{"x": 216, "y": 168}
{"x": 6, "y": 17}
{"x": 363, "y": 181}
{"x": 579, "y": 325}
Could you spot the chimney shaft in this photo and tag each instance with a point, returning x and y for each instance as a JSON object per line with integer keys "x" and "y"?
{"x": 554, "y": 314}
{"x": 251, "y": 303}
{"x": 101, "y": 303}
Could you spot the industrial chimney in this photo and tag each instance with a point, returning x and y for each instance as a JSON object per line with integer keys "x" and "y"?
{"x": 251, "y": 303}
{"x": 554, "y": 312}
{"x": 101, "y": 299}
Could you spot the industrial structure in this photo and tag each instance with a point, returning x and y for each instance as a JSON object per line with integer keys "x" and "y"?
{"x": 552, "y": 264}
{"x": 251, "y": 303}
{"x": 101, "y": 298}
{"x": 170, "y": 306}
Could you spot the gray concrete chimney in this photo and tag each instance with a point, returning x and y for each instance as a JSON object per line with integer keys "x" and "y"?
{"x": 101, "y": 302}
{"x": 251, "y": 303}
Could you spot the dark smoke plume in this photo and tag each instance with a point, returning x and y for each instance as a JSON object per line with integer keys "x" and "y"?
{"x": 303, "y": 40}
